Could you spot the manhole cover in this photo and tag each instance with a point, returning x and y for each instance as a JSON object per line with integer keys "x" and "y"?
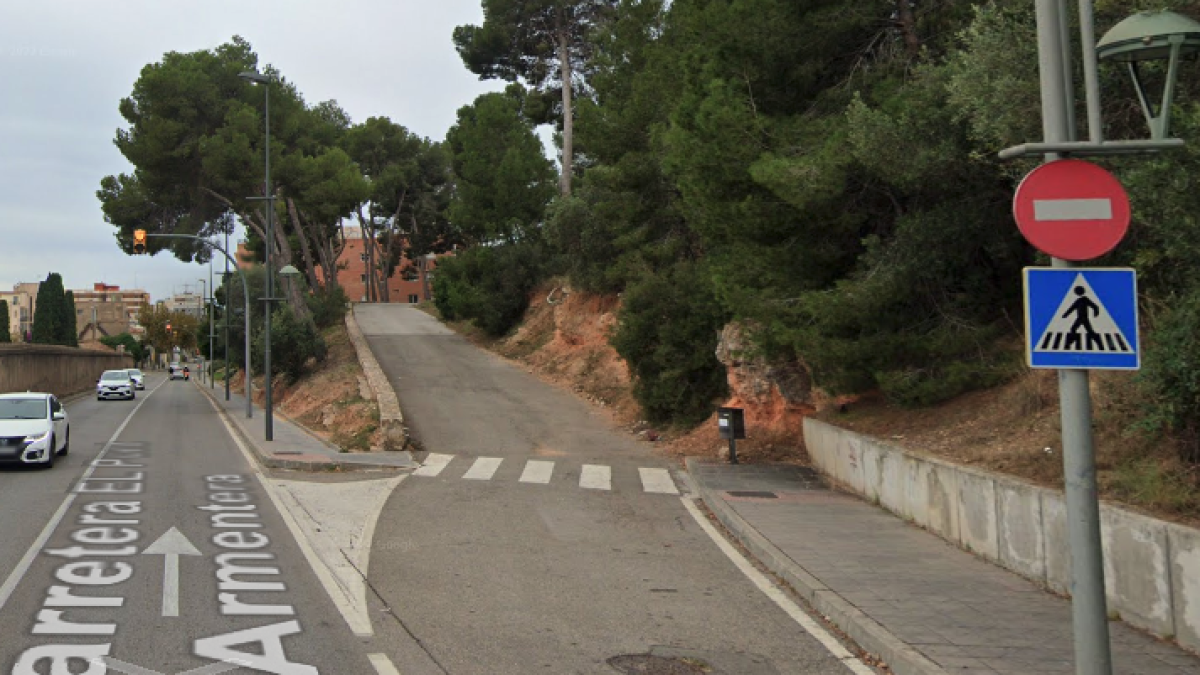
{"x": 758, "y": 494}
{"x": 646, "y": 664}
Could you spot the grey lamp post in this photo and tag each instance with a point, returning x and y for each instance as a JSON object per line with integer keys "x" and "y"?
{"x": 203, "y": 296}
{"x": 228, "y": 305}
{"x": 1152, "y": 36}
{"x": 258, "y": 78}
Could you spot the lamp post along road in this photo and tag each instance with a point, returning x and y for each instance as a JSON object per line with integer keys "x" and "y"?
{"x": 269, "y": 197}
{"x": 203, "y": 294}
{"x": 224, "y": 281}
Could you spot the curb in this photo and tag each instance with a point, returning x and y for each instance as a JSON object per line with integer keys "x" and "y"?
{"x": 872, "y": 636}
{"x": 391, "y": 417}
{"x": 271, "y": 462}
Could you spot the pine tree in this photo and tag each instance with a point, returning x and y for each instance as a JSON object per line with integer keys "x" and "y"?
{"x": 48, "y": 318}
{"x": 5, "y": 328}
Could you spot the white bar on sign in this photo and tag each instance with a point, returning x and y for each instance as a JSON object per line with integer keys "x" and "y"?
{"x": 537, "y": 471}
{"x": 658, "y": 481}
{"x": 433, "y": 465}
{"x": 596, "y": 477}
{"x": 1072, "y": 209}
{"x": 483, "y": 468}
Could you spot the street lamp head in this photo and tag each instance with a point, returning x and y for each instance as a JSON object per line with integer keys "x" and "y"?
{"x": 1152, "y": 36}
{"x": 254, "y": 76}
{"x": 1149, "y": 36}
{"x": 289, "y": 271}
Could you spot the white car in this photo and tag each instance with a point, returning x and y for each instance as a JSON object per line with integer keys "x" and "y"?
{"x": 34, "y": 429}
{"x": 139, "y": 379}
{"x": 114, "y": 384}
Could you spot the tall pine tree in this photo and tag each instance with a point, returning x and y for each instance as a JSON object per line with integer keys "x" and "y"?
{"x": 69, "y": 334}
{"x": 50, "y": 314}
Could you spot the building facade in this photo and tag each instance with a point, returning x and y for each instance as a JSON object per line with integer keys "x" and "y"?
{"x": 106, "y": 310}
{"x": 21, "y": 302}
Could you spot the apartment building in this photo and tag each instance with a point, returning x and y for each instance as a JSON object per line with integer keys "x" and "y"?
{"x": 107, "y": 310}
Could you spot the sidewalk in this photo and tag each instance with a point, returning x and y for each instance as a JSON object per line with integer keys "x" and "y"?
{"x": 904, "y": 594}
{"x": 294, "y": 447}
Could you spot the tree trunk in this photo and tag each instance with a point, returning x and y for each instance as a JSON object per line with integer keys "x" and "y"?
{"x": 908, "y": 27}
{"x": 311, "y": 268}
{"x": 282, "y": 257}
{"x": 368, "y": 233}
{"x": 564, "y": 60}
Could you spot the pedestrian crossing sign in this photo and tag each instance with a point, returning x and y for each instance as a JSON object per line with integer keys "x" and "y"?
{"x": 1079, "y": 317}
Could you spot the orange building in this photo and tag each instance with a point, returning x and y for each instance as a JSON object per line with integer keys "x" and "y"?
{"x": 409, "y": 283}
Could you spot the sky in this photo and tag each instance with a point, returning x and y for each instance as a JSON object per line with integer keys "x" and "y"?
{"x": 66, "y": 64}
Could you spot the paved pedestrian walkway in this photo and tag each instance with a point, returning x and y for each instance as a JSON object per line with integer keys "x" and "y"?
{"x": 293, "y": 447}
{"x": 922, "y": 605}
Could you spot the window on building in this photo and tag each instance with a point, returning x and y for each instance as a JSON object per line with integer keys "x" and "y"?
{"x": 362, "y": 257}
{"x": 362, "y": 278}
{"x": 412, "y": 299}
{"x": 411, "y": 274}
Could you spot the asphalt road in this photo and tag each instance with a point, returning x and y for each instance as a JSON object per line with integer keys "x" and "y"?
{"x": 100, "y": 584}
{"x": 509, "y": 555}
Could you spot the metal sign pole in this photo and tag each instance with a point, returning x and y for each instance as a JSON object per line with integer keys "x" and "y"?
{"x": 1088, "y": 603}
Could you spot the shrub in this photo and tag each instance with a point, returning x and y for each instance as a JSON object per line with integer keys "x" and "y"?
{"x": 489, "y": 285}
{"x": 293, "y": 343}
{"x": 1171, "y": 374}
{"x": 328, "y": 306}
{"x": 667, "y": 331}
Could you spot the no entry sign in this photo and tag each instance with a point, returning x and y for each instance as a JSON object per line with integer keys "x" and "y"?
{"x": 1072, "y": 209}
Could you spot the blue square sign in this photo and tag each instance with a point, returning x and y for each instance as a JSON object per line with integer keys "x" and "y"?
{"x": 1077, "y": 317}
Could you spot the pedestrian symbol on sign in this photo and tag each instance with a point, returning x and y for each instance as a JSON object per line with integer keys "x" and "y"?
{"x": 1081, "y": 318}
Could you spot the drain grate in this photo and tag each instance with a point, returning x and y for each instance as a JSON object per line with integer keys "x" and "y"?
{"x": 646, "y": 664}
{"x": 758, "y": 494}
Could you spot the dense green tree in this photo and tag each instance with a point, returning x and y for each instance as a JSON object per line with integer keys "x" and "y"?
{"x": 502, "y": 180}
{"x": 51, "y": 323}
{"x": 544, "y": 44}
{"x": 5, "y": 329}
{"x": 70, "y": 335}
{"x": 132, "y": 347}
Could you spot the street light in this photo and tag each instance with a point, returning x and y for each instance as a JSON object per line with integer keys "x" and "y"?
{"x": 255, "y": 77}
{"x": 209, "y": 359}
{"x": 1152, "y": 36}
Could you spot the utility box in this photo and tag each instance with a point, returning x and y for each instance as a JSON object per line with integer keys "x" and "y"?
{"x": 731, "y": 423}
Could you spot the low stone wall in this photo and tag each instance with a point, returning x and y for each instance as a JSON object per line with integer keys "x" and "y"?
{"x": 58, "y": 370}
{"x": 391, "y": 419}
{"x": 1151, "y": 567}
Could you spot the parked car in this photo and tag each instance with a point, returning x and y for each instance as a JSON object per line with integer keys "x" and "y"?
{"x": 115, "y": 384}
{"x": 138, "y": 377}
{"x": 34, "y": 428}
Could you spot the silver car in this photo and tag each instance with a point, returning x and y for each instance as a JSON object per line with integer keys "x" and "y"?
{"x": 114, "y": 384}
{"x": 139, "y": 379}
{"x": 34, "y": 429}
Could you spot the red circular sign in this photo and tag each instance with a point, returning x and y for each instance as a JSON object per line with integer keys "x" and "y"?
{"x": 1072, "y": 209}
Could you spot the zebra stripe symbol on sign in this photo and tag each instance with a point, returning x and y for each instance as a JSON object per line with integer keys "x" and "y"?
{"x": 1079, "y": 318}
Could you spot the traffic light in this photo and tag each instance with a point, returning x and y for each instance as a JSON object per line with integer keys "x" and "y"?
{"x": 168, "y": 327}
{"x": 139, "y": 241}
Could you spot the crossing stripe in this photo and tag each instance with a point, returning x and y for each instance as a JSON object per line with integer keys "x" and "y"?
{"x": 537, "y": 471}
{"x": 595, "y": 477}
{"x": 658, "y": 481}
{"x": 433, "y": 465}
{"x": 483, "y": 468}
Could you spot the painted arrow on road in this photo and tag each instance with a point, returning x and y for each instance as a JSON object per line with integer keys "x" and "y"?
{"x": 171, "y": 545}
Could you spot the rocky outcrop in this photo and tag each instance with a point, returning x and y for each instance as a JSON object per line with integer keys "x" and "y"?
{"x": 755, "y": 381}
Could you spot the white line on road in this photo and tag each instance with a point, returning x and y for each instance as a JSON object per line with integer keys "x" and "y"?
{"x": 170, "y": 546}
{"x": 658, "y": 481}
{"x": 837, "y": 649}
{"x": 1072, "y": 209}
{"x": 383, "y": 665}
{"x": 537, "y": 471}
{"x": 433, "y": 464}
{"x": 356, "y": 617}
{"x": 14, "y": 578}
{"x": 595, "y": 477}
{"x": 483, "y": 468}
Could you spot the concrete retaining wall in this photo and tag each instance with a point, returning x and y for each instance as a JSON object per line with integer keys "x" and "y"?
{"x": 1151, "y": 567}
{"x": 58, "y": 370}
{"x": 391, "y": 419}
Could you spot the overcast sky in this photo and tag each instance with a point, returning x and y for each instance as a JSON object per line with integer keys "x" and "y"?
{"x": 65, "y": 65}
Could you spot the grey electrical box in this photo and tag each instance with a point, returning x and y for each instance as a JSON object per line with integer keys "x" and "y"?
{"x": 731, "y": 423}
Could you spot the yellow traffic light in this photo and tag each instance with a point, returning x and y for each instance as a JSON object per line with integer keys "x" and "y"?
{"x": 139, "y": 241}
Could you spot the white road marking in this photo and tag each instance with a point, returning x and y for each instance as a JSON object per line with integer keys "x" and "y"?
{"x": 433, "y": 464}
{"x": 22, "y": 566}
{"x": 595, "y": 477}
{"x": 383, "y": 665}
{"x": 837, "y": 649}
{"x": 658, "y": 481}
{"x": 171, "y": 545}
{"x": 1072, "y": 209}
{"x": 537, "y": 471}
{"x": 483, "y": 468}
{"x": 356, "y": 617}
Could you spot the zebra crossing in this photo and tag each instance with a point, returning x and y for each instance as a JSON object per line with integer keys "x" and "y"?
{"x": 541, "y": 472}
